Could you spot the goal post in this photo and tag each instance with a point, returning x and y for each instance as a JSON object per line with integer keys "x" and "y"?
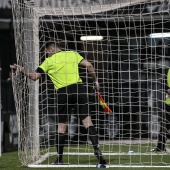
{"x": 130, "y": 67}
{"x": 26, "y": 28}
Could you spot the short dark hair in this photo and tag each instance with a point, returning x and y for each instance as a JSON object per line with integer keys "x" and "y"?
{"x": 52, "y": 43}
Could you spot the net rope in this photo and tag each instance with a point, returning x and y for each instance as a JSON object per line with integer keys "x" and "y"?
{"x": 130, "y": 66}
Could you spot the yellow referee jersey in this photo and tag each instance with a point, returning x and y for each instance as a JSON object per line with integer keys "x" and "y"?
{"x": 62, "y": 68}
{"x": 168, "y": 84}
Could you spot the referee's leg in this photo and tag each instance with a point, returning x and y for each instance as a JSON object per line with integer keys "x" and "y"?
{"x": 87, "y": 122}
{"x": 60, "y": 142}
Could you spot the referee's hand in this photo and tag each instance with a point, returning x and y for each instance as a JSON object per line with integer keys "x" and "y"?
{"x": 168, "y": 91}
{"x": 15, "y": 66}
{"x": 96, "y": 86}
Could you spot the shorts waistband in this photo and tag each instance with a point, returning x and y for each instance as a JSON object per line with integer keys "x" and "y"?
{"x": 68, "y": 87}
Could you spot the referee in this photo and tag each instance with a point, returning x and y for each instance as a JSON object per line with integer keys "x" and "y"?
{"x": 165, "y": 117}
{"x": 62, "y": 68}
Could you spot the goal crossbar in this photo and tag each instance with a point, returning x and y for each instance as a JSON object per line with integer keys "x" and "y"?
{"x": 81, "y": 10}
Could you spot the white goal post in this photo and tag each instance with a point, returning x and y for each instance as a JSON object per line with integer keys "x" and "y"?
{"x": 126, "y": 60}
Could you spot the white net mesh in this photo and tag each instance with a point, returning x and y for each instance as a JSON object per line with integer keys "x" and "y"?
{"x": 130, "y": 64}
{"x": 76, "y": 7}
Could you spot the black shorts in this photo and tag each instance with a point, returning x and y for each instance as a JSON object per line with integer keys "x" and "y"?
{"x": 73, "y": 97}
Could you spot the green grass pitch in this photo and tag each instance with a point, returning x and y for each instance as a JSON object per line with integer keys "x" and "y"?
{"x": 10, "y": 160}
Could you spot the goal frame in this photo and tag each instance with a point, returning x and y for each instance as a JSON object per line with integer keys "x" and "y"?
{"x": 35, "y": 122}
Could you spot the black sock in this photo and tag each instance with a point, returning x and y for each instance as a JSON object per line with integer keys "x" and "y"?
{"x": 60, "y": 141}
{"x": 93, "y": 136}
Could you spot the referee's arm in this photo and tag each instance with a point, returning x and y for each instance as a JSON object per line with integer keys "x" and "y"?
{"x": 33, "y": 76}
{"x": 90, "y": 68}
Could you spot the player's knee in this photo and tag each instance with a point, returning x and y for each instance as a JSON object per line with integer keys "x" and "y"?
{"x": 62, "y": 127}
{"x": 87, "y": 122}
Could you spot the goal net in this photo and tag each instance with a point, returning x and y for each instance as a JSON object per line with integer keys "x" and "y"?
{"x": 125, "y": 40}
